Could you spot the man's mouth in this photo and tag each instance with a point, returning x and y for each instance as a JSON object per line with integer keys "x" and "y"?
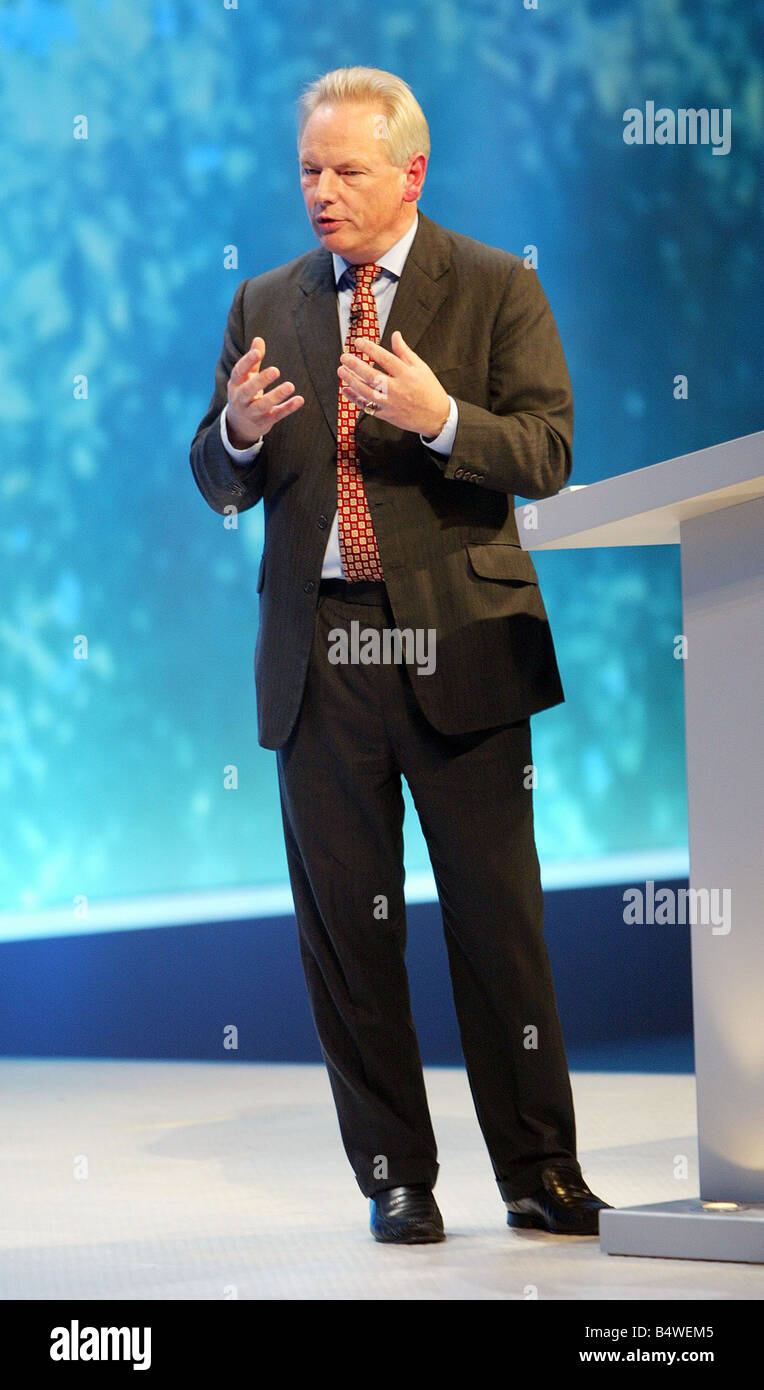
{"x": 328, "y": 221}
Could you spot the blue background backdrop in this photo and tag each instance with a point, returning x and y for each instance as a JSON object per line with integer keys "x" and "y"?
{"x": 111, "y": 265}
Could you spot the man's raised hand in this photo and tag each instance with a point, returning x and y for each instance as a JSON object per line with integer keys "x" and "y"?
{"x": 252, "y": 411}
{"x": 406, "y": 391}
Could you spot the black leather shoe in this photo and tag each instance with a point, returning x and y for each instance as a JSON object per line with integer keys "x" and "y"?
{"x": 562, "y": 1203}
{"x": 407, "y": 1216}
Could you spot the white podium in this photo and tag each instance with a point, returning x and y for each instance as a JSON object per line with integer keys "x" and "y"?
{"x": 711, "y": 503}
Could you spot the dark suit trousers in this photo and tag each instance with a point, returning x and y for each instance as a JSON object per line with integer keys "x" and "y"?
{"x": 358, "y": 730}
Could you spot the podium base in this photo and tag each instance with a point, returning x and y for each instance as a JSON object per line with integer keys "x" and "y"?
{"x": 685, "y": 1230}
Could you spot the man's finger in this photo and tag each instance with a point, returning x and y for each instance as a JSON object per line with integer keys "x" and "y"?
{"x": 285, "y": 408}
{"x": 244, "y": 366}
{"x": 363, "y": 372}
{"x": 376, "y": 353}
{"x": 254, "y": 383}
{"x": 270, "y": 398}
{"x": 401, "y": 348}
{"x": 263, "y": 402}
{"x": 358, "y": 376}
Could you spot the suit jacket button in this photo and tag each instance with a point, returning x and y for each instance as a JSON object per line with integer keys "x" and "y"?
{"x": 479, "y": 477}
{"x": 308, "y": 586}
{"x": 323, "y": 522}
{"x": 458, "y": 472}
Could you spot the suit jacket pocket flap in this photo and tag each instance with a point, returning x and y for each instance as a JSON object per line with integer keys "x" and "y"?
{"x": 497, "y": 560}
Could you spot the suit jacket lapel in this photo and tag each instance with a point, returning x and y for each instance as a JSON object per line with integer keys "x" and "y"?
{"x": 318, "y": 329}
{"x": 423, "y": 285}
{"x": 421, "y": 290}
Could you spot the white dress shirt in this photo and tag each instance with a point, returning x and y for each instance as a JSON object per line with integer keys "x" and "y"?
{"x": 383, "y": 288}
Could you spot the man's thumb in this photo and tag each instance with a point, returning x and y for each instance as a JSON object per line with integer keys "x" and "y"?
{"x": 401, "y": 348}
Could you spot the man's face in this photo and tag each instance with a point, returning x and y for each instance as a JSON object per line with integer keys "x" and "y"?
{"x": 359, "y": 204}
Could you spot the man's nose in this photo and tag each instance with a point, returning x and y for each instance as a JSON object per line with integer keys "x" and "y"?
{"x": 326, "y": 186}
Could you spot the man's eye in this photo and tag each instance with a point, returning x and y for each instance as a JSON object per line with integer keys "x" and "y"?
{"x": 345, "y": 172}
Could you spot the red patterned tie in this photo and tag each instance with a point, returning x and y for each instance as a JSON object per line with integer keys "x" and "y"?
{"x": 358, "y": 544}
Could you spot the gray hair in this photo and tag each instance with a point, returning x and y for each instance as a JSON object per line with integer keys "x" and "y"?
{"x": 405, "y": 127}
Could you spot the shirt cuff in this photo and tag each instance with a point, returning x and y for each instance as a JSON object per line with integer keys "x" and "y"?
{"x": 239, "y": 455}
{"x": 443, "y": 443}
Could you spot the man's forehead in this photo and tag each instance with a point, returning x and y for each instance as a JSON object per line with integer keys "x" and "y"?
{"x": 349, "y": 125}
{"x": 342, "y": 156}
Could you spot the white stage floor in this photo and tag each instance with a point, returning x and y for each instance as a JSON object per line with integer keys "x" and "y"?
{"x": 224, "y": 1180}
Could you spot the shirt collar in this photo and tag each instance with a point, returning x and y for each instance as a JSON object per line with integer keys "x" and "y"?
{"x": 393, "y": 260}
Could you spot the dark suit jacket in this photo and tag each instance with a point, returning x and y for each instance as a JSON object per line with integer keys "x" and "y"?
{"x": 445, "y": 525}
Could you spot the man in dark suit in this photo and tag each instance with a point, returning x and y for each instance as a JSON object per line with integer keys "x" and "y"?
{"x": 387, "y": 473}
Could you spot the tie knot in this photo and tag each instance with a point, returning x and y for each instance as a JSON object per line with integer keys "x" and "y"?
{"x": 364, "y": 274}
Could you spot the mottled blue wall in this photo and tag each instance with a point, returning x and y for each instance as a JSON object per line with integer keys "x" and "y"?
{"x": 111, "y": 265}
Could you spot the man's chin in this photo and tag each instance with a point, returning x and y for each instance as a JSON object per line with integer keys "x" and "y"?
{"x": 341, "y": 237}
